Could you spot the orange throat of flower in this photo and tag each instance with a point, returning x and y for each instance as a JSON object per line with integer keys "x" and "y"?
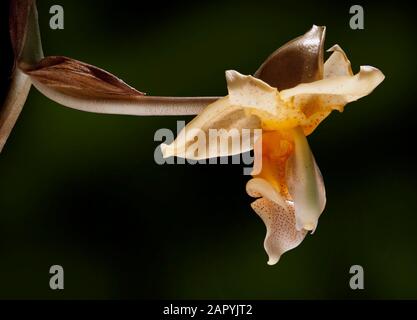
{"x": 271, "y": 157}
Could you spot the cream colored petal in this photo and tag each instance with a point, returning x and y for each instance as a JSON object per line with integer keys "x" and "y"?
{"x": 305, "y": 184}
{"x": 249, "y": 92}
{"x": 258, "y": 187}
{"x": 220, "y": 130}
{"x": 281, "y": 234}
{"x": 262, "y": 100}
{"x": 337, "y": 64}
{"x": 313, "y": 106}
{"x": 341, "y": 89}
{"x": 316, "y": 100}
{"x": 226, "y": 127}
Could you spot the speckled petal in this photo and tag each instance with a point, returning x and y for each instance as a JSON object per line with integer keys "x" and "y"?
{"x": 317, "y": 99}
{"x": 252, "y": 93}
{"x": 281, "y": 234}
{"x": 312, "y": 106}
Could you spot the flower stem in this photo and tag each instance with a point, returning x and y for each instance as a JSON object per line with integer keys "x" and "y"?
{"x": 16, "y": 97}
{"x": 138, "y": 106}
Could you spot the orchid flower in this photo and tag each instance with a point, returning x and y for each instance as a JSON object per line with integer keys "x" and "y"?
{"x": 288, "y": 97}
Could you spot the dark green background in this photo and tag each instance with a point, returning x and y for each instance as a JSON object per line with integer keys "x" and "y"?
{"x": 82, "y": 190}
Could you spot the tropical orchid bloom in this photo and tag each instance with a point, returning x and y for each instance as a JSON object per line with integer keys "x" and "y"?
{"x": 286, "y": 179}
{"x": 289, "y": 95}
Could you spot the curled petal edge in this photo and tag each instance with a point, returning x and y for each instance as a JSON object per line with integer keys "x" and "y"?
{"x": 279, "y": 218}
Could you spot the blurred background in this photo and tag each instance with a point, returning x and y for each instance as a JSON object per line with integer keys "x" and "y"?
{"x": 82, "y": 190}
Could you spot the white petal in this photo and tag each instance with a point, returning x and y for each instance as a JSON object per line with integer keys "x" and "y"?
{"x": 305, "y": 184}
{"x": 258, "y": 187}
{"x": 337, "y": 64}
